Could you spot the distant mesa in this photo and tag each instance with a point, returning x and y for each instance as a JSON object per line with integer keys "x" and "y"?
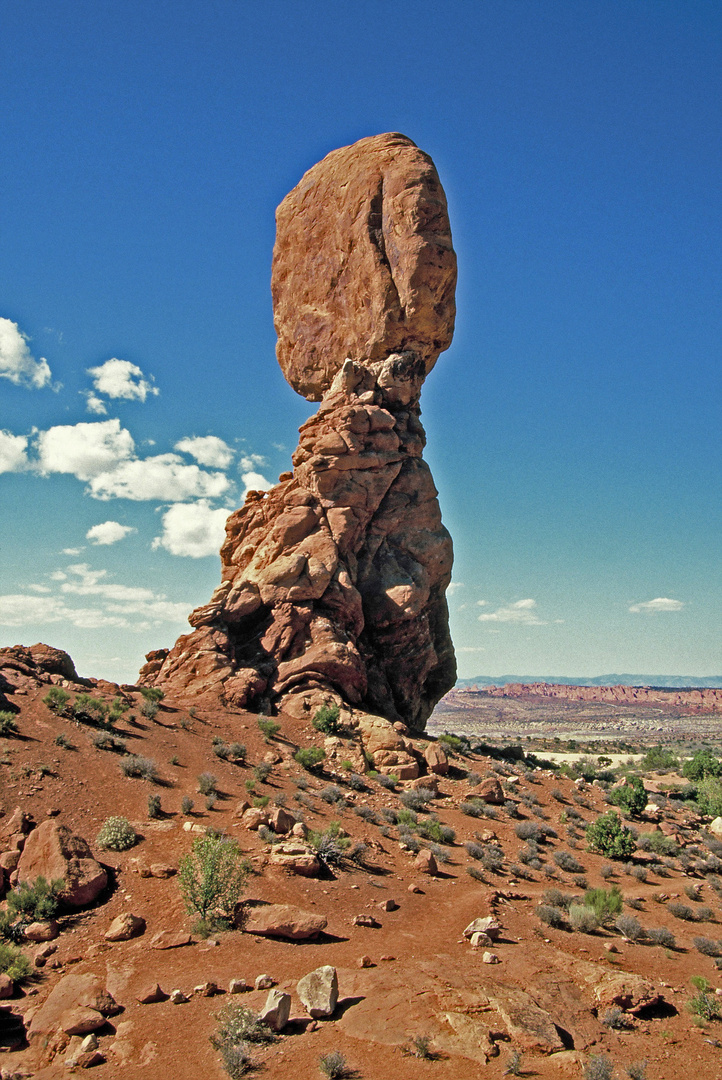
{"x": 335, "y": 580}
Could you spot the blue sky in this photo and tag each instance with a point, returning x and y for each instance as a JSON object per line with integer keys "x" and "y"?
{"x": 573, "y": 425}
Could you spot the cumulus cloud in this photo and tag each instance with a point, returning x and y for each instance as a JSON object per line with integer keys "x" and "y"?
{"x": 165, "y": 478}
{"x": 207, "y": 450}
{"x": 95, "y": 404}
{"x": 108, "y": 532}
{"x": 17, "y": 362}
{"x": 454, "y": 586}
{"x": 521, "y": 612}
{"x": 653, "y": 607}
{"x": 110, "y": 605}
{"x": 84, "y": 450}
{"x": 119, "y": 379}
{"x": 255, "y": 481}
{"x": 13, "y": 452}
{"x": 192, "y": 529}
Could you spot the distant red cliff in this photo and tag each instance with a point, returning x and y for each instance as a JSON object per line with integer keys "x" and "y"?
{"x": 702, "y": 700}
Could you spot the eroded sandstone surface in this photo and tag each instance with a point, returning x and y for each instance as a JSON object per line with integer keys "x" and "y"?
{"x": 335, "y": 580}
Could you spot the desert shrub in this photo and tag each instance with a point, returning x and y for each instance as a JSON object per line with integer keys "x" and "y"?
{"x": 152, "y": 693}
{"x": 309, "y": 757}
{"x": 8, "y": 726}
{"x": 475, "y": 873}
{"x": 558, "y": 795}
{"x": 630, "y": 927}
{"x": 440, "y": 854}
{"x": 475, "y": 850}
{"x": 329, "y": 845}
{"x": 701, "y": 765}
{"x": 356, "y": 782}
{"x": 268, "y": 728}
{"x": 237, "y": 1027}
{"x": 709, "y": 796}
{"x": 634, "y": 902}
{"x": 90, "y": 710}
{"x": 657, "y": 757}
{"x": 456, "y": 743}
{"x": 57, "y": 700}
{"x": 14, "y": 963}
{"x": 333, "y": 1065}
{"x": 493, "y": 857}
{"x": 639, "y": 872}
{"x": 326, "y": 719}
{"x": 551, "y": 915}
{"x": 616, "y": 1019}
{"x": 421, "y": 1047}
{"x": 605, "y": 903}
{"x": 262, "y": 771}
{"x": 567, "y": 862}
{"x": 509, "y": 805}
{"x": 528, "y": 830}
{"x": 136, "y": 766}
{"x": 637, "y": 1070}
{"x": 707, "y": 946}
{"x": 660, "y": 935}
{"x": 210, "y": 800}
{"x": 149, "y": 709}
{"x": 211, "y": 877}
{"x": 630, "y": 797}
{"x": 154, "y": 810}
{"x": 367, "y": 813}
{"x": 409, "y": 841}
{"x": 472, "y": 778}
{"x": 207, "y": 783}
{"x": 117, "y": 834}
{"x": 606, "y": 872}
{"x": 417, "y": 798}
{"x": 187, "y": 804}
{"x": 105, "y": 741}
{"x": 598, "y": 1068}
{"x": 471, "y": 809}
{"x": 657, "y": 843}
{"x": 705, "y": 1003}
{"x": 332, "y": 794}
{"x": 36, "y": 901}
{"x": 583, "y": 918}
{"x": 432, "y": 829}
{"x": 63, "y": 741}
{"x": 513, "y": 1064}
{"x": 681, "y": 911}
{"x": 704, "y": 913}
{"x": 607, "y": 836}
{"x": 387, "y": 781}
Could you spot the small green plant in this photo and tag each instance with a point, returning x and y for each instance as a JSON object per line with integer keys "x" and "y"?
{"x": 14, "y": 963}
{"x": 333, "y": 1065}
{"x": 36, "y": 901}
{"x": 63, "y": 741}
{"x": 705, "y": 1003}
{"x": 326, "y": 719}
{"x": 140, "y": 767}
{"x": 455, "y": 743}
{"x": 212, "y": 876}
{"x": 117, "y": 834}
{"x": 152, "y": 693}
{"x": 154, "y": 810}
{"x": 605, "y": 903}
{"x": 8, "y": 726}
{"x": 237, "y": 1028}
{"x": 630, "y": 797}
{"x": 187, "y": 804}
{"x": 262, "y": 771}
{"x": 309, "y": 757}
{"x": 268, "y": 728}
{"x": 90, "y": 710}
{"x": 329, "y": 845}
{"x": 57, "y": 700}
{"x": 609, "y": 837}
{"x": 598, "y": 1068}
{"x": 207, "y": 783}
{"x": 174, "y": 760}
{"x": 421, "y": 1047}
{"x": 149, "y": 709}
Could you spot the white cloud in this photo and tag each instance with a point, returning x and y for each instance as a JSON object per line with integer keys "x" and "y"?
{"x": 662, "y": 603}
{"x": 87, "y": 582}
{"x": 84, "y": 450}
{"x": 13, "y": 457}
{"x": 165, "y": 478}
{"x": 521, "y": 612}
{"x": 17, "y": 362}
{"x": 454, "y": 586}
{"x": 95, "y": 404}
{"x": 192, "y": 529}
{"x": 121, "y": 379}
{"x": 249, "y": 462}
{"x": 482, "y": 603}
{"x": 470, "y": 648}
{"x": 71, "y": 551}
{"x": 207, "y": 450}
{"x": 108, "y": 532}
{"x": 255, "y": 481}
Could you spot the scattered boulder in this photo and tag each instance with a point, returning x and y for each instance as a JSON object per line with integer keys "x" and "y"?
{"x": 53, "y": 851}
{"x": 388, "y": 905}
{"x": 264, "y": 982}
{"x": 297, "y": 858}
{"x": 425, "y": 863}
{"x": 715, "y": 826}
{"x": 491, "y": 791}
{"x": 436, "y": 759}
{"x": 255, "y": 817}
{"x": 318, "y": 991}
{"x": 7, "y": 986}
{"x": 488, "y": 925}
{"x": 124, "y": 927}
{"x": 490, "y": 958}
{"x": 150, "y": 994}
{"x": 238, "y": 986}
{"x": 177, "y": 997}
{"x": 170, "y": 939}
{"x": 77, "y": 1005}
{"x": 276, "y": 1011}
{"x": 478, "y": 939}
{"x": 281, "y": 821}
{"x": 283, "y": 921}
{"x": 42, "y": 931}
{"x": 366, "y": 920}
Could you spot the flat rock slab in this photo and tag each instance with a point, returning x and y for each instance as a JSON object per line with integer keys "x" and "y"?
{"x": 283, "y": 921}
{"x": 530, "y": 1027}
{"x": 74, "y": 993}
{"x": 170, "y": 939}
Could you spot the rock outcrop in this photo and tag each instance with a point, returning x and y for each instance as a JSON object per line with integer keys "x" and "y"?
{"x": 334, "y": 581}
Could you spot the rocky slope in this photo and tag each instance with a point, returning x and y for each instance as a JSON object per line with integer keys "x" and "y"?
{"x": 334, "y": 581}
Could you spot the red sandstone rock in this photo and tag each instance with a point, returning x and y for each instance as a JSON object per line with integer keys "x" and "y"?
{"x": 284, "y": 921}
{"x": 52, "y": 851}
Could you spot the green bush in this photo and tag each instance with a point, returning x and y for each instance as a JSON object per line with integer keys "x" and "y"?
{"x": 709, "y": 797}
{"x": 702, "y": 765}
{"x": 630, "y": 797}
{"x": 207, "y": 783}
{"x": 705, "y": 1003}
{"x": 117, "y": 834}
{"x": 14, "y": 963}
{"x": 268, "y": 728}
{"x": 152, "y": 693}
{"x": 309, "y": 757}
{"x": 212, "y": 876}
{"x": 7, "y": 724}
{"x": 455, "y": 743}
{"x": 90, "y": 710}
{"x": 607, "y": 836}
{"x": 57, "y": 700}
{"x": 142, "y": 767}
{"x": 657, "y": 757}
{"x": 154, "y": 810}
{"x": 326, "y": 719}
{"x": 37, "y": 901}
{"x": 605, "y": 903}
{"x": 330, "y": 847}
{"x": 657, "y": 843}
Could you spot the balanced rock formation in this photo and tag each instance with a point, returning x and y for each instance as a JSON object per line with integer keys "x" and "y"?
{"x": 334, "y": 581}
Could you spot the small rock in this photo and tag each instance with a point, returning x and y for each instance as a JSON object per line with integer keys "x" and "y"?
{"x": 150, "y": 995}
{"x": 387, "y": 958}
{"x": 318, "y": 991}
{"x": 170, "y": 939}
{"x": 81, "y": 1021}
{"x": 365, "y": 962}
{"x": 42, "y": 931}
{"x": 611, "y": 947}
{"x": 388, "y": 905}
{"x": 89, "y": 1060}
{"x": 490, "y": 958}
{"x": 276, "y": 1011}
{"x": 414, "y": 888}
{"x": 478, "y": 939}
{"x": 264, "y": 982}
{"x": 89, "y": 1043}
{"x": 238, "y": 986}
{"x": 300, "y": 830}
{"x": 124, "y": 927}
{"x": 162, "y": 870}
{"x": 491, "y": 791}
{"x": 488, "y": 925}
{"x": 425, "y": 863}
{"x": 206, "y": 989}
{"x": 177, "y": 997}
{"x": 7, "y": 986}
{"x": 366, "y": 920}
